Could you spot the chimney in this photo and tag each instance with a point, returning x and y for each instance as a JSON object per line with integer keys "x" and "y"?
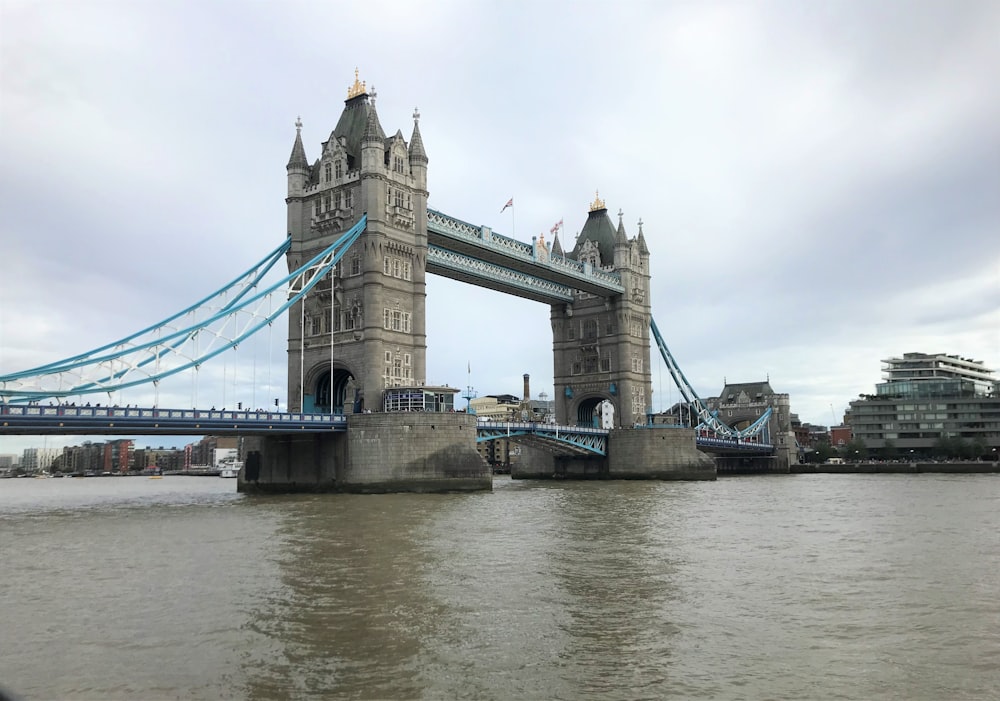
{"x": 527, "y": 390}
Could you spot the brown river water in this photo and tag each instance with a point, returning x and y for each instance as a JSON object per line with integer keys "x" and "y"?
{"x": 777, "y": 587}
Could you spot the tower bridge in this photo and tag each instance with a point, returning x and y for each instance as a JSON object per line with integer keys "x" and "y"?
{"x": 361, "y": 240}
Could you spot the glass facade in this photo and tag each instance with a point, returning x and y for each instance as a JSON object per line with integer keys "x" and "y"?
{"x": 438, "y": 399}
{"x": 926, "y": 399}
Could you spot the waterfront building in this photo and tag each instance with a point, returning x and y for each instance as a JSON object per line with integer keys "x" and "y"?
{"x": 926, "y": 399}
{"x": 841, "y": 435}
{"x": 496, "y": 407}
{"x": 118, "y": 455}
{"x": 34, "y": 460}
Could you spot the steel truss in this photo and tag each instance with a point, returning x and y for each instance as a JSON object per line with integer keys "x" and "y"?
{"x": 706, "y": 418}
{"x": 583, "y": 441}
{"x": 185, "y": 340}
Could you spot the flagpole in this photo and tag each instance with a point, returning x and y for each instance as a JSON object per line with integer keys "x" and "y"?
{"x": 513, "y": 229}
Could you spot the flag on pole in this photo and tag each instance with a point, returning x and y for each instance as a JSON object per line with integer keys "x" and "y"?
{"x": 556, "y": 227}
{"x": 510, "y": 203}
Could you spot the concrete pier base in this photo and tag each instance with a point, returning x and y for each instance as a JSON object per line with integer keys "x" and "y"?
{"x": 384, "y": 452}
{"x": 633, "y": 453}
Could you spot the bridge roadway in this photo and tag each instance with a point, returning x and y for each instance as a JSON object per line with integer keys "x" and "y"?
{"x": 76, "y": 420}
{"x": 35, "y": 420}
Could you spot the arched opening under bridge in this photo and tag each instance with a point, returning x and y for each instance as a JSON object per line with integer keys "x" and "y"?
{"x": 588, "y": 412}
{"x": 341, "y": 387}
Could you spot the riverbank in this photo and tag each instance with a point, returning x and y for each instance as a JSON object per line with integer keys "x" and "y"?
{"x": 907, "y": 468}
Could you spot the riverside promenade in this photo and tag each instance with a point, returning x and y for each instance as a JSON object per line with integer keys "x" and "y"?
{"x": 906, "y": 468}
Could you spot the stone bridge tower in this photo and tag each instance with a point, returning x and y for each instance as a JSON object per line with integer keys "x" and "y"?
{"x": 601, "y": 346}
{"x": 361, "y": 329}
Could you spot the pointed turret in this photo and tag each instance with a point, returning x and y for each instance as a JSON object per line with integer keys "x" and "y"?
{"x": 620, "y": 238}
{"x": 298, "y": 166}
{"x": 373, "y": 130}
{"x": 417, "y": 153}
{"x": 372, "y": 143}
{"x": 418, "y": 157}
{"x": 641, "y": 240}
{"x": 557, "y": 250}
{"x": 298, "y": 158}
{"x": 622, "y": 246}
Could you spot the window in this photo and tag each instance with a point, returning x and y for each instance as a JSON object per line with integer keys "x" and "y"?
{"x": 326, "y": 203}
{"x": 316, "y": 204}
{"x": 399, "y": 198}
{"x": 356, "y": 265}
{"x": 396, "y": 267}
{"x": 336, "y": 200}
{"x": 576, "y": 368}
{"x": 571, "y": 331}
{"x": 589, "y": 329}
{"x": 636, "y": 364}
{"x": 605, "y": 364}
{"x": 397, "y": 164}
{"x": 327, "y": 172}
{"x": 396, "y": 320}
{"x": 340, "y": 169}
{"x": 349, "y": 199}
{"x": 388, "y": 196}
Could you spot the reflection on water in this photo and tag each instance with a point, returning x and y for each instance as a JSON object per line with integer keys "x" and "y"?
{"x": 820, "y": 586}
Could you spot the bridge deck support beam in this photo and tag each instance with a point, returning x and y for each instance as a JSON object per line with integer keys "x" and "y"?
{"x": 380, "y": 452}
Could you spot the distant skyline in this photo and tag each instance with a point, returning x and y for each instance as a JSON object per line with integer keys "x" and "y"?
{"x": 817, "y": 183}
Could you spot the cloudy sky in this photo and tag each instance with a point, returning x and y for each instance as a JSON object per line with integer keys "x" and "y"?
{"x": 819, "y": 182}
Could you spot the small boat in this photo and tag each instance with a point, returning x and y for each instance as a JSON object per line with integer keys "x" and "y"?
{"x": 229, "y": 467}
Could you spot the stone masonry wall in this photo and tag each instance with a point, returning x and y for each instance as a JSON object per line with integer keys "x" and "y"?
{"x": 413, "y": 452}
{"x": 657, "y": 453}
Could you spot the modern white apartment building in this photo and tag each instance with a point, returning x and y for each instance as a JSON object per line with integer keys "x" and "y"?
{"x": 927, "y": 397}
{"x": 920, "y": 374}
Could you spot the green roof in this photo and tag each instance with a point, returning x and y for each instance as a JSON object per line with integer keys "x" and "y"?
{"x": 601, "y": 231}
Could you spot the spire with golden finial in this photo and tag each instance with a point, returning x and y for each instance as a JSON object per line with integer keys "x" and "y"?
{"x": 358, "y": 88}
{"x": 598, "y": 204}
